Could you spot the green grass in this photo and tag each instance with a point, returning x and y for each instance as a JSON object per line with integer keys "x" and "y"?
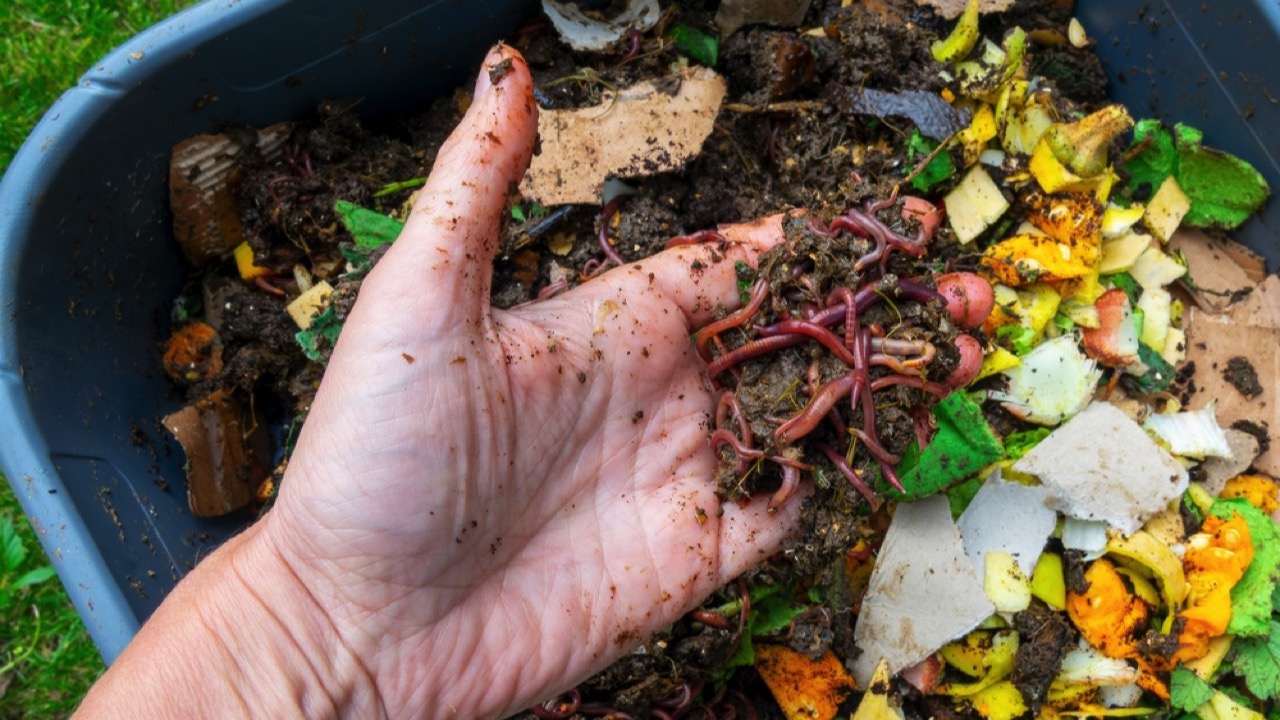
{"x": 47, "y": 661}
{"x": 47, "y": 44}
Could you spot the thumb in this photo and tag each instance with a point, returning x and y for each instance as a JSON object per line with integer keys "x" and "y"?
{"x": 440, "y": 268}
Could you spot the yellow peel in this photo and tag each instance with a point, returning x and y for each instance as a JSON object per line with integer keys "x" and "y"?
{"x": 1143, "y": 548}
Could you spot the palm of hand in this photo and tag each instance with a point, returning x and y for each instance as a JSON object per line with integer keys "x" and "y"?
{"x": 520, "y": 496}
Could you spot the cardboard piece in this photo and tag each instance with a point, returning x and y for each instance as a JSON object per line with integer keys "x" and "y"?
{"x": 1007, "y": 517}
{"x": 1217, "y": 471}
{"x": 1249, "y": 328}
{"x": 206, "y": 220}
{"x": 224, "y": 462}
{"x": 1101, "y": 465}
{"x": 923, "y": 593}
{"x": 1218, "y": 267}
{"x": 647, "y": 128}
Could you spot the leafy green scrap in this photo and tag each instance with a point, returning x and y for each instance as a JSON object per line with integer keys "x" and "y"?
{"x": 963, "y": 446}
{"x": 1258, "y": 662}
{"x": 369, "y": 229}
{"x": 698, "y": 45}
{"x": 1223, "y": 189}
{"x": 1188, "y": 691}
{"x": 941, "y": 167}
{"x": 771, "y": 612}
{"x": 1251, "y": 605}
{"x": 318, "y": 340}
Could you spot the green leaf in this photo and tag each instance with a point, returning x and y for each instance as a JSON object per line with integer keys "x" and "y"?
{"x": 34, "y": 577}
{"x": 1020, "y": 339}
{"x": 1224, "y": 190}
{"x": 773, "y": 614}
{"x": 939, "y": 168}
{"x": 1020, "y": 443}
{"x": 1158, "y": 158}
{"x": 1125, "y": 282}
{"x": 1251, "y": 606}
{"x": 959, "y": 496}
{"x": 1187, "y": 691}
{"x": 695, "y": 43}
{"x": 1159, "y": 374}
{"x": 1258, "y": 662}
{"x": 321, "y": 336}
{"x": 517, "y": 214}
{"x": 963, "y": 446}
{"x": 370, "y": 230}
{"x": 12, "y": 553}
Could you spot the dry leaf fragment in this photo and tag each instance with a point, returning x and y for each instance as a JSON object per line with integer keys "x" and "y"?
{"x": 644, "y": 129}
{"x": 951, "y": 9}
{"x": 805, "y": 689}
{"x": 733, "y": 14}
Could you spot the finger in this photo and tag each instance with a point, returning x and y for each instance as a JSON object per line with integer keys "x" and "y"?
{"x": 441, "y": 265}
{"x": 700, "y": 279}
{"x": 751, "y": 533}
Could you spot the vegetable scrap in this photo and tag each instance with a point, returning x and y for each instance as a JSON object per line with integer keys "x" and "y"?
{"x": 1004, "y": 340}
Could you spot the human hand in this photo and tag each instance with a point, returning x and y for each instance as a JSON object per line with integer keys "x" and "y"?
{"x": 484, "y": 506}
{"x": 491, "y": 505}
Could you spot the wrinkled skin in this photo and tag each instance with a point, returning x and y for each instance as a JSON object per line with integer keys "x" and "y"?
{"x": 490, "y": 505}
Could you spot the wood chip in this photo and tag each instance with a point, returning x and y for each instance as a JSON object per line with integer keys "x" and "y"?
{"x": 648, "y": 128}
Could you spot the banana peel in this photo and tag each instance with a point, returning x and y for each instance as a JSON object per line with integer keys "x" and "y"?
{"x": 1082, "y": 145}
{"x": 962, "y": 38}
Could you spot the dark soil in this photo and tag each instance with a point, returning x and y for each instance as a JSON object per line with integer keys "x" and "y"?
{"x": 1243, "y": 377}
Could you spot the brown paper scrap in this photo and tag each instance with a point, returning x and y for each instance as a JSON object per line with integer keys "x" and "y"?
{"x": 651, "y": 127}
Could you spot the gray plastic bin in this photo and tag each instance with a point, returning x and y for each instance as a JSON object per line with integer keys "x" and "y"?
{"x": 88, "y": 266}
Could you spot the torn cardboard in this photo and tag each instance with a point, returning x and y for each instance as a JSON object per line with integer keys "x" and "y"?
{"x": 923, "y": 593}
{"x": 1101, "y": 465}
{"x": 1007, "y": 517}
{"x": 648, "y": 128}
{"x": 1249, "y": 329}
{"x": 206, "y": 219}
{"x": 225, "y": 447}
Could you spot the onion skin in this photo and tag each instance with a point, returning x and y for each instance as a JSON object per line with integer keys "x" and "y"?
{"x": 969, "y": 298}
{"x": 970, "y": 361}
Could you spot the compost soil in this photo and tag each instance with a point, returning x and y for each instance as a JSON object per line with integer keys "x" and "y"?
{"x": 757, "y": 162}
